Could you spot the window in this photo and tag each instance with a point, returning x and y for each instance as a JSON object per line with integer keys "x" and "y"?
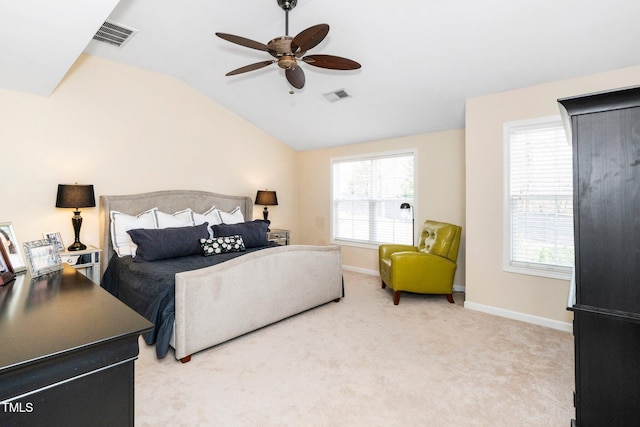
{"x": 367, "y": 192}
{"x": 539, "y": 198}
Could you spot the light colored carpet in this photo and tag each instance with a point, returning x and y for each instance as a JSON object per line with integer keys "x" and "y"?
{"x": 365, "y": 362}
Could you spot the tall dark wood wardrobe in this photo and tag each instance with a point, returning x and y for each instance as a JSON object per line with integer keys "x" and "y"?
{"x": 605, "y": 133}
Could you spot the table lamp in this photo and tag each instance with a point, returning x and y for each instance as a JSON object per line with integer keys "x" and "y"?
{"x": 266, "y": 198}
{"x": 76, "y": 196}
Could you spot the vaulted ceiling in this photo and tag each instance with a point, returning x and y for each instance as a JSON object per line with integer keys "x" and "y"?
{"x": 420, "y": 59}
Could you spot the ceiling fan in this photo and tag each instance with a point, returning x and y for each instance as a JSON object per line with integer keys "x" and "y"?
{"x": 288, "y": 50}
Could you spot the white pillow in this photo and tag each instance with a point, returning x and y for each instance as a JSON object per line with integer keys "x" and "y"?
{"x": 120, "y": 223}
{"x": 183, "y": 218}
{"x": 233, "y": 217}
{"x": 211, "y": 216}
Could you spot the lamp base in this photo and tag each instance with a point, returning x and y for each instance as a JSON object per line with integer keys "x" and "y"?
{"x": 77, "y": 246}
{"x": 265, "y": 215}
{"x": 76, "y": 220}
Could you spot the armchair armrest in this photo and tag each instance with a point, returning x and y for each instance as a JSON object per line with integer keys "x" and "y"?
{"x": 419, "y": 259}
{"x": 385, "y": 251}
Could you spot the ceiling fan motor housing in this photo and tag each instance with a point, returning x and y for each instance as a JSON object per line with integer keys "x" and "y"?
{"x": 286, "y": 58}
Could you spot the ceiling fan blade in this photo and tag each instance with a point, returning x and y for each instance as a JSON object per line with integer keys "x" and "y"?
{"x": 250, "y": 67}
{"x": 242, "y": 41}
{"x": 295, "y": 76}
{"x": 331, "y": 62}
{"x": 309, "y": 38}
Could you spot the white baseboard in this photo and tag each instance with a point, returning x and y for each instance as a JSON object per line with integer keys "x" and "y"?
{"x": 536, "y": 320}
{"x": 361, "y": 270}
{"x": 456, "y": 288}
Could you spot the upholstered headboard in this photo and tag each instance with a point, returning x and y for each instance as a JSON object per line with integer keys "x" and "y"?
{"x": 167, "y": 201}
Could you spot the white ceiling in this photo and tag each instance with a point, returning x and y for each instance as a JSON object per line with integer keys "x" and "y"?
{"x": 420, "y": 59}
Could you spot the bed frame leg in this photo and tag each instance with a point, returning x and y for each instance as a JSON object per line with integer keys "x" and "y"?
{"x": 186, "y": 359}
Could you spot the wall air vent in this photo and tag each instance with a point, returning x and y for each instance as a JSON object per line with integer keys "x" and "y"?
{"x": 114, "y": 34}
{"x": 336, "y": 95}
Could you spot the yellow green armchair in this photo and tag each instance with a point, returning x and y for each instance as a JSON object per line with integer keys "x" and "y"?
{"x": 427, "y": 268}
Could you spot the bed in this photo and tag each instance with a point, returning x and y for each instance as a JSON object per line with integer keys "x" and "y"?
{"x": 197, "y": 302}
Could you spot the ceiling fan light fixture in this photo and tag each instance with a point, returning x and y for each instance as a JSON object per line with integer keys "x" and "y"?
{"x": 287, "y": 62}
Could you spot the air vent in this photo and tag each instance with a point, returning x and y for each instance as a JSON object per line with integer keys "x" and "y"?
{"x": 114, "y": 34}
{"x": 336, "y": 95}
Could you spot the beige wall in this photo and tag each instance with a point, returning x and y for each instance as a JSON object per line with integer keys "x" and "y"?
{"x": 127, "y": 130}
{"x": 489, "y": 288}
{"x": 440, "y": 190}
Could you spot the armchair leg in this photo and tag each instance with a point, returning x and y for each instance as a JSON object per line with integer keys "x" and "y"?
{"x": 384, "y": 285}
{"x": 396, "y": 297}
{"x": 450, "y": 298}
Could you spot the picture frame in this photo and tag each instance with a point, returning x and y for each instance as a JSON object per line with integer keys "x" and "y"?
{"x": 42, "y": 257}
{"x": 55, "y": 237}
{"x": 7, "y": 273}
{"x": 12, "y": 247}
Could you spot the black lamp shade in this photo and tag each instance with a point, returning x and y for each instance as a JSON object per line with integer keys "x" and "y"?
{"x": 266, "y": 198}
{"x": 75, "y": 196}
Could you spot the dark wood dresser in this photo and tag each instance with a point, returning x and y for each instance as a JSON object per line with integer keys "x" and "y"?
{"x": 605, "y": 130}
{"x": 67, "y": 352}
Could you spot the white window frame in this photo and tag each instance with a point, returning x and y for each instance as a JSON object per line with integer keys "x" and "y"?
{"x": 543, "y": 270}
{"x": 368, "y": 156}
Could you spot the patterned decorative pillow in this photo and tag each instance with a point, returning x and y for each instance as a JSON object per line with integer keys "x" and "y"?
{"x": 219, "y": 245}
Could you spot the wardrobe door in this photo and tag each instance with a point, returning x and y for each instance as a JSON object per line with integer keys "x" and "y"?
{"x": 607, "y": 374}
{"x": 608, "y": 209}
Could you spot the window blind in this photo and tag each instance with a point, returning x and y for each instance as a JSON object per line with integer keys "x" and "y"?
{"x": 540, "y": 199}
{"x": 366, "y": 196}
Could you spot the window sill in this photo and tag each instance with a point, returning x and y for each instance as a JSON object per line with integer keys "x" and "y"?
{"x": 355, "y": 244}
{"x": 540, "y": 272}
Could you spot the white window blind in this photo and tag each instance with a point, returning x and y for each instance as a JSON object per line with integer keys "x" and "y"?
{"x": 539, "y": 202}
{"x": 366, "y": 196}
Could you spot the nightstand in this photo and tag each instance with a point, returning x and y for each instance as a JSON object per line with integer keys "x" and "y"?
{"x": 278, "y": 235}
{"x": 86, "y": 262}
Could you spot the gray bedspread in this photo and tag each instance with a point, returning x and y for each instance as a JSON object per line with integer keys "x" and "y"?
{"x": 149, "y": 289}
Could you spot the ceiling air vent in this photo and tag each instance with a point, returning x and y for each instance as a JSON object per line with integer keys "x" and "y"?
{"x": 336, "y": 95}
{"x": 114, "y": 34}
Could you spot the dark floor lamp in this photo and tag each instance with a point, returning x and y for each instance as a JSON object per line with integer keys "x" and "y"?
{"x": 413, "y": 231}
{"x": 76, "y": 196}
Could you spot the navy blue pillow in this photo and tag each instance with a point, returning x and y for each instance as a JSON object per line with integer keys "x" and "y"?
{"x": 165, "y": 243}
{"x": 254, "y": 233}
